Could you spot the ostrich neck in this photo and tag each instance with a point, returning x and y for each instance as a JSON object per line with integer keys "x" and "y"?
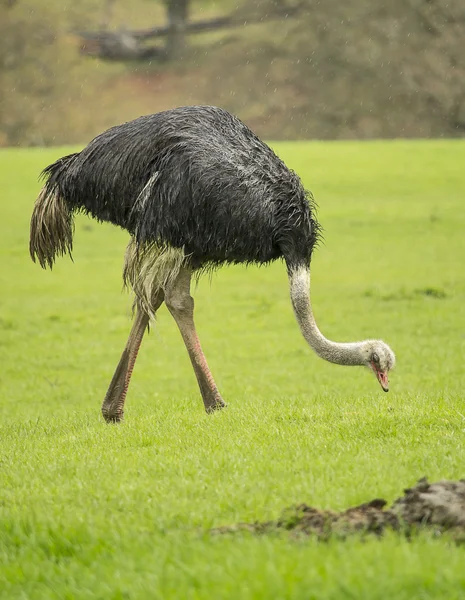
{"x": 338, "y": 353}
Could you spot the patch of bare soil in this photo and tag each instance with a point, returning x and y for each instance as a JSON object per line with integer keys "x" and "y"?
{"x": 438, "y": 506}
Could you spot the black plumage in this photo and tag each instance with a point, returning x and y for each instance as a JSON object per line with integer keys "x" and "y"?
{"x": 195, "y": 178}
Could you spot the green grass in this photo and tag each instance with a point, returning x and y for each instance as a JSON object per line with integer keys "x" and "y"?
{"x": 89, "y": 510}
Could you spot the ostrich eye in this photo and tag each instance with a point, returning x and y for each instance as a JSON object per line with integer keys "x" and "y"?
{"x": 375, "y": 358}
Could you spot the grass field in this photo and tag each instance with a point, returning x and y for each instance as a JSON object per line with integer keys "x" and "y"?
{"x": 89, "y": 510}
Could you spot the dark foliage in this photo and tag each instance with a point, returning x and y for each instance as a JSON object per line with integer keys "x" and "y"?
{"x": 193, "y": 177}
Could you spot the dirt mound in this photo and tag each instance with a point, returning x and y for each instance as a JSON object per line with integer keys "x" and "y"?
{"x": 439, "y": 506}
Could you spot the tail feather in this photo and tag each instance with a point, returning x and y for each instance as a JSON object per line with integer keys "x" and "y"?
{"x": 52, "y": 219}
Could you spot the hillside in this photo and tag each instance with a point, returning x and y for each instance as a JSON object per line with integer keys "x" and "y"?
{"x": 351, "y": 70}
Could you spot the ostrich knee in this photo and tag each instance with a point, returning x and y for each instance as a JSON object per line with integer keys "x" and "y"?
{"x": 180, "y": 304}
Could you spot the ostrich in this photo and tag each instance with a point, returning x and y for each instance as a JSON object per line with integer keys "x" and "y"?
{"x": 195, "y": 188}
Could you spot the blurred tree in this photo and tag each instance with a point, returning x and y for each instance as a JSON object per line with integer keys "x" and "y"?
{"x": 126, "y": 44}
{"x": 177, "y": 11}
{"x": 107, "y": 13}
{"x": 299, "y": 68}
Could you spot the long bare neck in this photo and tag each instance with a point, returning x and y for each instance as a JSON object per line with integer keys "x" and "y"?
{"x": 339, "y": 353}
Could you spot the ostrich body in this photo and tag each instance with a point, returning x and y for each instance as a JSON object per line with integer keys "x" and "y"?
{"x": 195, "y": 188}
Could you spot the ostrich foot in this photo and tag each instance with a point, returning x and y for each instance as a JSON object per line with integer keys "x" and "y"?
{"x": 113, "y": 404}
{"x": 214, "y": 404}
{"x": 113, "y": 417}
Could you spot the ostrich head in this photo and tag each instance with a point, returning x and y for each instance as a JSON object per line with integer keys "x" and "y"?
{"x": 379, "y": 358}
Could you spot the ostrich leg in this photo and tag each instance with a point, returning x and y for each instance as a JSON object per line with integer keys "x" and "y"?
{"x": 181, "y": 306}
{"x": 113, "y": 405}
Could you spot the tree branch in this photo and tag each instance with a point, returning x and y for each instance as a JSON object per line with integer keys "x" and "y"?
{"x": 129, "y": 45}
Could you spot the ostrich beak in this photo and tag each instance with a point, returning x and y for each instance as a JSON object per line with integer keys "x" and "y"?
{"x": 382, "y": 377}
{"x": 383, "y": 380}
